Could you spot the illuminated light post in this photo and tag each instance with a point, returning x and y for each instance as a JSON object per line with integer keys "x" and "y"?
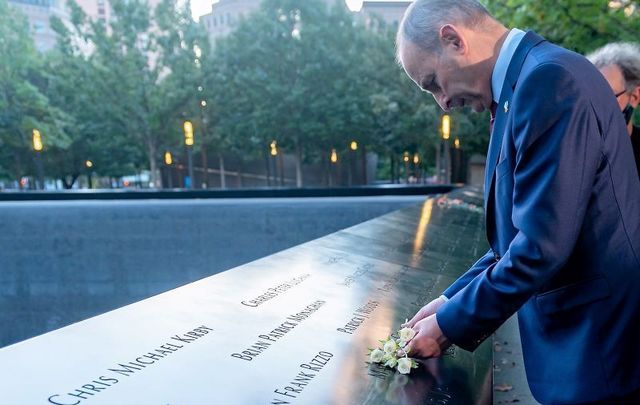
{"x": 457, "y": 163}
{"x": 89, "y": 165}
{"x": 446, "y": 160}
{"x": 416, "y": 162}
{"x": 188, "y": 142}
{"x": 334, "y": 156}
{"x": 353, "y": 157}
{"x": 37, "y": 141}
{"x": 405, "y": 159}
{"x": 168, "y": 160}
{"x": 446, "y": 126}
{"x": 38, "y": 146}
{"x": 277, "y": 163}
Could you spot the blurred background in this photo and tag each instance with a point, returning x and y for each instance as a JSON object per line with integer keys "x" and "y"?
{"x": 241, "y": 93}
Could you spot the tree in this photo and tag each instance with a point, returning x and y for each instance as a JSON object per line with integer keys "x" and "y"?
{"x": 579, "y": 26}
{"x": 128, "y": 85}
{"x": 23, "y": 105}
{"x": 313, "y": 79}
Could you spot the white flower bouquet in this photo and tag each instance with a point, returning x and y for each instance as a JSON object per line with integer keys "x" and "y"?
{"x": 392, "y": 352}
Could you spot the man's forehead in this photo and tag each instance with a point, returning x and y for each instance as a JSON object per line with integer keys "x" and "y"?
{"x": 416, "y": 61}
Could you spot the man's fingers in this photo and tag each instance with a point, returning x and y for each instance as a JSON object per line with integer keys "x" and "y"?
{"x": 418, "y": 316}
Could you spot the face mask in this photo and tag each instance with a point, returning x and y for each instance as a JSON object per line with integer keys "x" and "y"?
{"x": 627, "y": 112}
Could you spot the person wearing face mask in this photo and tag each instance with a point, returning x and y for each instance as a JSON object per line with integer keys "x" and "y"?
{"x": 619, "y": 63}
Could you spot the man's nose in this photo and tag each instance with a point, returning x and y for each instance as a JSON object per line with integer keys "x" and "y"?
{"x": 443, "y": 101}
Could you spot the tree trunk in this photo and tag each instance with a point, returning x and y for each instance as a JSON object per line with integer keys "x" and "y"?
{"x": 205, "y": 165}
{"x": 392, "y": 168}
{"x": 329, "y": 170}
{"x": 19, "y": 170}
{"x": 240, "y": 170}
{"x": 438, "y": 163}
{"x": 223, "y": 183}
{"x": 153, "y": 165}
{"x": 298, "y": 164}
{"x": 281, "y": 168}
{"x": 268, "y": 171}
{"x": 69, "y": 185}
{"x": 364, "y": 165}
{"x": 396, "y": 170}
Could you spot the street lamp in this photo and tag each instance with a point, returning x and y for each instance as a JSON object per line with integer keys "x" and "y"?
{"x": 416, "y": 161}
{"x": 89, "y": 164}
{"x": 334, "y": 156}
{"x": 188, "y": 142}
{"x": 446, "y": 133}
{"x": 446, "y": 126}
{"x": 353, "y": 146}
{"x": 456, "y": 164}
{"x": 405, "y": 159}
{"x": 278, "y": 164}
{"x": 168, "y": 160}
{"x": 36, "y": 140}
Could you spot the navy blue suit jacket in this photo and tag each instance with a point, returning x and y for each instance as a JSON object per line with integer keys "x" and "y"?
{"x": 562, "y": 206}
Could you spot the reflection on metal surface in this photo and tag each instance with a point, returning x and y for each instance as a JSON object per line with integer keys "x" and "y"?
{"x": 425, "y": 216}
{"x": 291, "y": 328}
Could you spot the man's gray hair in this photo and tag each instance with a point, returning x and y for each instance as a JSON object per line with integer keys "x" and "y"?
{"x": 625, "y": 55}
{"x": 423, "y": 19}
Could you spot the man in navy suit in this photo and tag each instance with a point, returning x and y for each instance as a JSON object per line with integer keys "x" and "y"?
{"x": 562, "y": 213}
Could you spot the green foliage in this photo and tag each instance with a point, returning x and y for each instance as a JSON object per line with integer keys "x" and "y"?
{"x": 309, "y": 76}
{"x": 23, "y": 104}
{"x": 581, "y": 26}
{"x": 313, "y": 79}
{"x": 130, "y": 92}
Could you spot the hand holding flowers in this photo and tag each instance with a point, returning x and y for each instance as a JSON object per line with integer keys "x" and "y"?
{"x": 393, "y": 352}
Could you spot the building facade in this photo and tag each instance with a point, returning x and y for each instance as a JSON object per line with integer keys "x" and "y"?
{"x": 97, "y": 10}
{"x": 39, "y": 13}
{"x": 391, "y": 12}
{"x": 225, "y": 14}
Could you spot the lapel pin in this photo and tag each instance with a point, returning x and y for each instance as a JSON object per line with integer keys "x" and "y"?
{"x": 506, "y": 106}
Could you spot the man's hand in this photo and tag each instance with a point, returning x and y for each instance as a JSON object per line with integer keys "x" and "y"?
{"x": 424, "y": 312}
{"x": 429, "y": 340}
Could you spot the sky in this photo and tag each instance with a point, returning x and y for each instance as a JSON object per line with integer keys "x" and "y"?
{"x": 201, "y": 7}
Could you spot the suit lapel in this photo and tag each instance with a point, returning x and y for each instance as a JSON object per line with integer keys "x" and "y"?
{"x": 529, "y": 41}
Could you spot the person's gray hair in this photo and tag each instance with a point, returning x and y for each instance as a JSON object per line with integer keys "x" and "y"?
{"x": 423, "y": 18}
{"x": 625, "y": 55}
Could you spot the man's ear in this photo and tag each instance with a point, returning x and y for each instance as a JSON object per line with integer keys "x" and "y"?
{"x": 634, "y": 99}
{"x": 451, "y": 37}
